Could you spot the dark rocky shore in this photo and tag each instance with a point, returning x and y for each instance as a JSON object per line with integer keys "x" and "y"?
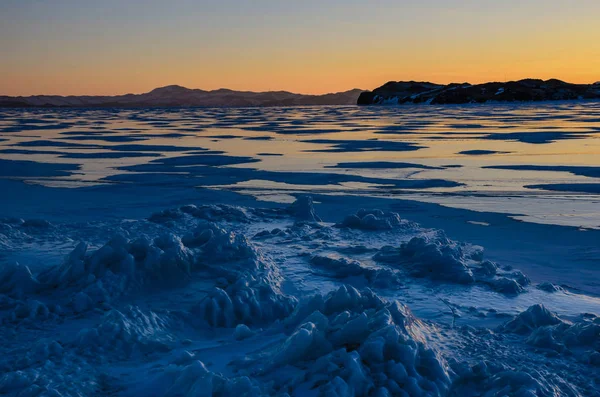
{"x": 527, "y": 90}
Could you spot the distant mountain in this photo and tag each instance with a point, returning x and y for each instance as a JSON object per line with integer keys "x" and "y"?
{"x": 177, "y": 96}
{"x": 413, "y": 92}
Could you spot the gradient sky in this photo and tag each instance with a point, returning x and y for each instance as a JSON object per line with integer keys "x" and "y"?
{"x": 309, "y": 46}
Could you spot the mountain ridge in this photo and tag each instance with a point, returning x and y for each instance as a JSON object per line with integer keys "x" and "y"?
{"x": 179, "y": 96}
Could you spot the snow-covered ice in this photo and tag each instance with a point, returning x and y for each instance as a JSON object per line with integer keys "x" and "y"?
{"x": 192, "y": 306}
{"x": 211, "y": 271}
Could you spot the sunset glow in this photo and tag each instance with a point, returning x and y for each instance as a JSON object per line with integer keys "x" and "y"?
{"x": 88, "y": 47}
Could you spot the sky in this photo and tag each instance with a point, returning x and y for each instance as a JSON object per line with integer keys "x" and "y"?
{"x": 77, "y": 47}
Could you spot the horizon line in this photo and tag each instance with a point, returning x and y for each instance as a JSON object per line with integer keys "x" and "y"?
{"x": 287, "y": 91}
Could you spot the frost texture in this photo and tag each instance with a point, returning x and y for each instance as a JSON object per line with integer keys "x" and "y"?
{"x": 119, "y": 266}
{"x": 345, "y": 343}
{"x": 432, "y": 255}
{"x": 250, "y": 294}
{"x": 350, "y": 343}
{"x": 249, "y": 300}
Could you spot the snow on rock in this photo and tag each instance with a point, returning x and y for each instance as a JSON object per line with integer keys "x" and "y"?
{"x": 373, "y": 220}
{"x": 352, "y": 343}
{"x": 432, "y": 255}
{"x": 340, "y": 267}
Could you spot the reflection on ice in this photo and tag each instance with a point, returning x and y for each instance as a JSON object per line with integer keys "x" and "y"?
{"x": 478, "y": 150}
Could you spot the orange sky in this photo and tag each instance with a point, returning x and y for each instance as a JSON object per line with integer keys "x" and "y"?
{"x": 79, "y": 47}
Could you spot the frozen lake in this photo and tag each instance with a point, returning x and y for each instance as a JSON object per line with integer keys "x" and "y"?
{"x": 168, "y": 252}
{"x": 537, "y": 162}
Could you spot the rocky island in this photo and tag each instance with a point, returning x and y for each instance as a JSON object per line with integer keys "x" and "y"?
{"x": 412, "y": 92}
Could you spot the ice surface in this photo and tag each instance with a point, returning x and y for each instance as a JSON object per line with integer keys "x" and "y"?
{"x": 185, "y": 302}
{"x": 153, "y": 284}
